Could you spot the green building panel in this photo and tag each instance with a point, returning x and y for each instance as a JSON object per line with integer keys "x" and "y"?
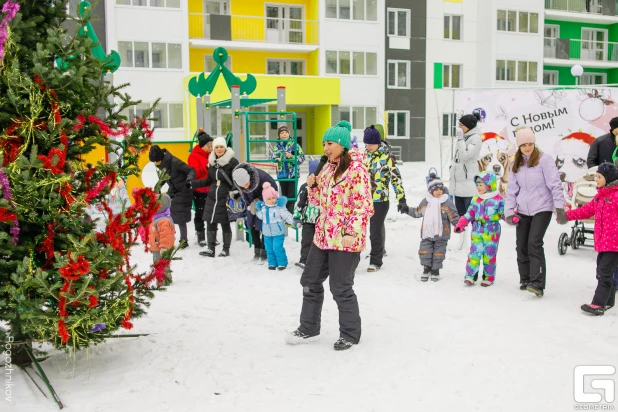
{"x": 565, "y": 78}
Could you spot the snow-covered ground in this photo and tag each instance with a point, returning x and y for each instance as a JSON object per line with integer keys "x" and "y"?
{"x": 217, "y": 338}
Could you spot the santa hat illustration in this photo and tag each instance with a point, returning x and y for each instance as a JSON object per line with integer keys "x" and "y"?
{"x": 493, "y": 142}
{"x": 577, "y": 143}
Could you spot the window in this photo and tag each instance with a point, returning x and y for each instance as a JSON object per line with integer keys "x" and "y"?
{"x": 398, "y": 124}
{"x": 521, "y": 71}
{"x": 150, "y": 55}
{"x": 358, "y": 116}
{"x": 167, "y": 115}
{"x": 398, "y": 74}
{"x": 209, "y": 63}
{"x": 352, "y": 10}
{"x": 452, "y": 27}
{"x": 285, "y": 67}
{"x": 594, "y": 78}
{"x": 174, "y": 4}
{"x": 550, "y": 77}
{"x": 449, "y": 124}
{"x": 451, "y": 76}
{"x": 518, "y": 21}
{"x": 357, "y": 63}
{"x": 398, "y": 22}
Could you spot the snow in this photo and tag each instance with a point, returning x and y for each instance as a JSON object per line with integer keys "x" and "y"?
{"x": 217, "y": 335}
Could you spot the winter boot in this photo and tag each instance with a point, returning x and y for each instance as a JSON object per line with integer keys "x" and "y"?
{"x": 373, "y": 268}
{"x": 262, "y": 257}
{"x": 256, "y": 255}
{"x": 298, "y": 337}
{"x": 486, "y": 283}
{"x": 300, "y": 265}
{"x": 435, "y": 275}
{"x": 343, "y": 344}
{"x": 227, "y": 242}
{"x": 272, "y": 268}
{"x": 469, "y": 281}
{"x": 201, "y": 238}
{"x": 594, "y": 310}
{"x": 523, "y": 286}
{"x": 210, "y": 252}
{"x": 425, "y": 275}
{"x": 282, "y": 267}
{"x": 536, "y": 290}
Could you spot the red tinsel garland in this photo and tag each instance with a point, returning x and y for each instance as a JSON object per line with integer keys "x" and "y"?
{"x": 75, "y": 269}
{"x": 62, "y": 331}
{"x": 55, "y": 160}
{"x": 47, "y": 246}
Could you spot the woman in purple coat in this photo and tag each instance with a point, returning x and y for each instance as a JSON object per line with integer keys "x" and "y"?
{"x": 534, "y": 191}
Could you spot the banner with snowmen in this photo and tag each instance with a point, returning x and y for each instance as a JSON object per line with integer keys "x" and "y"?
{"x": 565, "y": 122}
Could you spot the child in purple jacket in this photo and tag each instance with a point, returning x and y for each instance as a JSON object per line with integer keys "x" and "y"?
{"x": 534, "y": 191}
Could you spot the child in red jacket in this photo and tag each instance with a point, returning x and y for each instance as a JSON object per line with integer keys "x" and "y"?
{"x": 162, "y": 234}
{"x": 604, "y": 208}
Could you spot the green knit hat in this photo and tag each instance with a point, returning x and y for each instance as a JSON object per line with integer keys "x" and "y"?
{"x": 340, "y": 133}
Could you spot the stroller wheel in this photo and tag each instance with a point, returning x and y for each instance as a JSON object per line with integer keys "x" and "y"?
{"x": 575, "y": 239}
{"x": 563, "y": 243}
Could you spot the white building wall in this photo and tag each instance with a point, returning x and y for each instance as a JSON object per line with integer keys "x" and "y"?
{"x": 153, "y": 25}
{"x": 365, "y": 36}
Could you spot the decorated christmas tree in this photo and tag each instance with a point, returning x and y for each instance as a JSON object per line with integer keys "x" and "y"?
{"x": 65, "y": 279}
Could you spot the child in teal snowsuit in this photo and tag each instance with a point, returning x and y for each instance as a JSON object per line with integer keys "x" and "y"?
{"x": 274, "y": 216}
{"x": 485, "y": 212}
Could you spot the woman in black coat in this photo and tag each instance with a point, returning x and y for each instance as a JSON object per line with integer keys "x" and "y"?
{"x": 221, "y": 164}
{"x": 250, "y": 180}
{"x": 179, "y": 177}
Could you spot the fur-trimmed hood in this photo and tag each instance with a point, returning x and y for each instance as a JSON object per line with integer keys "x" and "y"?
{"x": 221, "y": 161}
{"x": 254, "y": 177}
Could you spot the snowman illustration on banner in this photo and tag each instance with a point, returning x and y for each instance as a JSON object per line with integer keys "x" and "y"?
{"x": 593, "y": 103}
{"x": 571, "y": 154}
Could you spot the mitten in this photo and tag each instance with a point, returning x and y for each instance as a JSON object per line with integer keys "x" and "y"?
{"x": 512, "y": 220}
{"x": 189, "y": 185}
{"x": 297, "y": 223}
{"x": 461, "y": 224}
{"x": 561, "y": 217}
{"x": 253, "y": 207}
{"x": 404, "y": 209}
{"x": 401, "y": 205}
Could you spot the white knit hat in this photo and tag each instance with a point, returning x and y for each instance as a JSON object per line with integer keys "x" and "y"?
{"x": 219, "y": 142}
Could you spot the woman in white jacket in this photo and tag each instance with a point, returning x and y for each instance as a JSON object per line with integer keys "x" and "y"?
{"x": 465, "y": 163}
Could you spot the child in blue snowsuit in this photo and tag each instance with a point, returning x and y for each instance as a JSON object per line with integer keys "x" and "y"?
{"x": 274, "y": 216}
{"x": 485, "y": 212}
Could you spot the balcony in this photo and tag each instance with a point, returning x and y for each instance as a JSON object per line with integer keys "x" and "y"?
{"x": 598, "y": 54}
{"x": 584, "y": 11}
{"x": 253, "y": 32}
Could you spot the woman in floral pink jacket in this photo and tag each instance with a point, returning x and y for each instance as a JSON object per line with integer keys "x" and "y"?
{"x": 343, "y": 195}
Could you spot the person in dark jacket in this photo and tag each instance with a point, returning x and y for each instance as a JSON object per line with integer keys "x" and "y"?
{"x": 198, "y": 159}
{"x": 179, "y": 177}
{"x": 221, "y": 164}
{"x": 250, "y": 180}
{"x": 603, "y": 149}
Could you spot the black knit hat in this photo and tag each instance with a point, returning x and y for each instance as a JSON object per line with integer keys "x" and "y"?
{"x": 203, "y": 138}
{"x": 155, "y": 154}
{"x": 372, "y": 135}
{"x": 470, "y": 120}
{"x": 613, "y": 124}
{"x": 609, "y": 172}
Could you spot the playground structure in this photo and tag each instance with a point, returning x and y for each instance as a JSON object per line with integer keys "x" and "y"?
{"x": 240, "y": 138}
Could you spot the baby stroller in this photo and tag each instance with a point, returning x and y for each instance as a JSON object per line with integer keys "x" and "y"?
{"x": 584, "y": 190}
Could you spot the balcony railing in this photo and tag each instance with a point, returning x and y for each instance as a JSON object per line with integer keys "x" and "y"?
{"x": 571, "y": 49}
{"x": 250, "y": 28}
{"x": 581, "y": 6}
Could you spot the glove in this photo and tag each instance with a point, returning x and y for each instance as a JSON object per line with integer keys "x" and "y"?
{"x": 461, "y": 224}
{"x": 297, "y": 223}
{"x": 253, "y": 206}
{"x": 235, "y": 194}
{"x": 402, "y": 204}
{"x": 561, "y": 217}
{"x": 403, "y": 209}
{"x": 189, "y": 185}
{"x": 512, "y": 220}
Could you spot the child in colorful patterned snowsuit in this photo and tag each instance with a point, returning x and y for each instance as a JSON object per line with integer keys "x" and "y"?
{"x": 274, "y": 216}
{"x": 438, "y": 213}
{"x": 162, "y": 234}
{"x": 485, "y": 212}
{"x": 289, "y": 156}
{"x": 305, "y": 216}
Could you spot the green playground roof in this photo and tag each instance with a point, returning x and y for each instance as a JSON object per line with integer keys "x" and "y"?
{"x": 244, "y": 102}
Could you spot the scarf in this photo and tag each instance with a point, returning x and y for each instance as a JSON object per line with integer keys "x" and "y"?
{"x": 432, "y": 223}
